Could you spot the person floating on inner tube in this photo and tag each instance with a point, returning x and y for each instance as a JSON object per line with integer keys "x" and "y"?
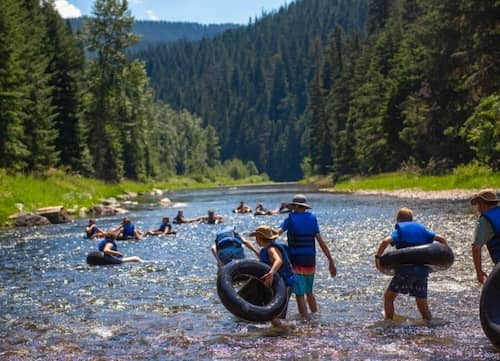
{"x": 242, "y": 208}
{"x": 229, "y": 246}
{"x": 109, "y": 248}
{"x": 92, "y": 231}
{"x": 127, "y": 230}
{"x": 261, "y": 211}
{"x": 275, "y": 255}
{"x": 487, "y": 230}
{"x": 164, "y": 229}
{"x": 179, "y": 218}
{"x": 411, "y": 279}
{"x": 211, "y": 218}
{"x": 302, "y": 232}
{"x": 284, "y": 208}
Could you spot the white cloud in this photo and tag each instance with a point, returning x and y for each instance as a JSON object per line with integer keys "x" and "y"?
{"x": 152, "y": 15}
{"x": 66, "y": 9}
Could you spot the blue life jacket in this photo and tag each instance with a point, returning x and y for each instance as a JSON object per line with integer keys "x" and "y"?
{"x": 103, "y": 242}
{"x": 227, "y": 238}
{"x": 412, "y": 234}
{"x": 128, "y": 230}
{"x": 286, "y": 268}
{"x": 493, "y": 216}
{"x": 301, "y": 240}
{"x": 92, "y": 231}
{"x": 163, "y": 226}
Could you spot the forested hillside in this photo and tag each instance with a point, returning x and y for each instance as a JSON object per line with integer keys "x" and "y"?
{"x": 422, "y": 91}
{"x": 154, "y": 32}
{"x": 251, "y": 83}
{"x": 325, "y": 84}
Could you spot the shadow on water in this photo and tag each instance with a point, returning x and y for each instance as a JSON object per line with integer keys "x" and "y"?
{"x": 55, "y": 307}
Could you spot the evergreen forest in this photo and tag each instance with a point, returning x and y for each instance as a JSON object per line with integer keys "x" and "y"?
{"x": 337, "y": 87}
{"x": 328, "y": 87}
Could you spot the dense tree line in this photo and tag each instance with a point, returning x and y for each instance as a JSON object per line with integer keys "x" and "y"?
{"x": 251, "y": 83}
{"x": 155, "y": 32}
{"x": 421, "y": 89}
{"x": 94, "y": 116}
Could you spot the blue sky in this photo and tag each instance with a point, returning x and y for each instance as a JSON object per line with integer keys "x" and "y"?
{"x": 200, "y": 11}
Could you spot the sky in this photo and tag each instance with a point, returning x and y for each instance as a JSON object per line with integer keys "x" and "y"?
{"x": 199, "y": 11}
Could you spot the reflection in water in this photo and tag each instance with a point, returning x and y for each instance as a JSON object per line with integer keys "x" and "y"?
{"x": 55, "y": 307}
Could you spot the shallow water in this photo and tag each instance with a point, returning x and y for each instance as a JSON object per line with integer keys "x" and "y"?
{"x": 55, "y": 307}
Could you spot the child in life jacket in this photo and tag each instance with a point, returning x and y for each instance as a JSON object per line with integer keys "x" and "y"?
{"x": 275, "y": 255}
{"x": 229, "y": 246}
{"x": 411, "y": 279}
{"x": 92, "y": 231}
{"x": 110, "y": 249}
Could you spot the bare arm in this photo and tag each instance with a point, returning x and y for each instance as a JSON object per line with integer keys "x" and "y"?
{"x": 109, "y": 251}
{"x": 250, "y": 246}
{"x": 214, "y": 252}
{"x": 440, "y": 239}
{"x": 326, "y": 251}
{"x": 381, "y": 248}
{"x": 277, "y": 261}
{"x": 476, "y": 257}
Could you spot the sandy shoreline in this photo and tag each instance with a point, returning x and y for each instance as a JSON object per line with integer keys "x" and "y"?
{"x": 451, "y": 194}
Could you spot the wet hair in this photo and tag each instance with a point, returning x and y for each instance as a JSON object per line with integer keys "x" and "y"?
{"x": 91, "y": 220}
{"x": 404, "y": 215}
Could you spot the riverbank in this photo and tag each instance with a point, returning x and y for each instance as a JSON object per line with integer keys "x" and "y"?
{"x": 462, "y": 183}
{"x": 27, "y": 192}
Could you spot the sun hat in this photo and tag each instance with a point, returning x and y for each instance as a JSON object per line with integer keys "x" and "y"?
{"x": 264, "y": 231}
{"x": 299, "y": 200}
{"x": 488, "y": 195}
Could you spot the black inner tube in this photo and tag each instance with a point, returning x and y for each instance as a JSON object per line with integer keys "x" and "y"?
{"x": 489, "y": 307}
{"x": 101, "y": 259}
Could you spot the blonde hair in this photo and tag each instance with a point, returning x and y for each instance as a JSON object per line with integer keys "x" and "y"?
{"x": 404, "y": 214}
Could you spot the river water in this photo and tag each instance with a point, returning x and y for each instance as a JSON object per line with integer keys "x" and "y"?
{"x": 55, "y": 307}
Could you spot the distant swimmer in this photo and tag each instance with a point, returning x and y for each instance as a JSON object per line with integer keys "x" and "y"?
{"x": 242, "y": 208}
{"x": 165, "y": 228}
{"x": 261, "y": 211}
{"x": 179, "y": 218}
{"x": 211, "y": 218}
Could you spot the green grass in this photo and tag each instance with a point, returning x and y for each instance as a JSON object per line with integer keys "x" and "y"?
{"x": 73, "y": 191}
{"x": 463, "y": 177}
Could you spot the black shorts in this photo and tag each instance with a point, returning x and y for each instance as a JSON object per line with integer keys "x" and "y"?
{"x": 415, "y": 286}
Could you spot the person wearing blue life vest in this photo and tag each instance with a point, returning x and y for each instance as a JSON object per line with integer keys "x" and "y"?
{"x": 229, "y": 246}
{"x": 487, "y": 231}
{"x": 411, "y": 279}
{"x": 92, "y": 231}
{"x": 164, "y": 229}
{"x": 110, "y": 249}
{"x": 302, "y": 232}
{"x": 275, "y": 255}
{"x": 127, "y": 230}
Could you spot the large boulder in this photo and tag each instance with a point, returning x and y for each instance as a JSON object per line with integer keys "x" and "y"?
{"x": 102, "y": 210}
{"x": 30, "y": 220}
{"x": 55, "y": 214}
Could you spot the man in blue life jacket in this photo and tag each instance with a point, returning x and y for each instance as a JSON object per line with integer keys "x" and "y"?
{"x": 487, "y": 230}
{"x": 229, "y": 246}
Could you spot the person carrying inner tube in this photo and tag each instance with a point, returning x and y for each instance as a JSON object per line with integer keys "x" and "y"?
{"x": 275, "y": 255}
{"x": 109, "y": 248}
{"x": 229, "y": 246}
{"x": 411, "y": 279}
{"x": 487, "y": 230}
{"x": 302, "y": 232}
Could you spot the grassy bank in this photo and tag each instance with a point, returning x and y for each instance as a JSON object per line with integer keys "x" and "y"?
{"x": 468, "y": 177}
{"x": 32, "y": 192}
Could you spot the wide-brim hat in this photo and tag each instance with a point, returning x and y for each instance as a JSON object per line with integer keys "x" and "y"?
{"x": 488, "y": 195}
{"x": 299, "y": 200}
{"x": 265, "y": 232}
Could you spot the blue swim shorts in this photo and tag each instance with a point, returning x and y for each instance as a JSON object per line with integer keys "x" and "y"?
{"x": 227, "y": 254}
{"x": 303, "y": 285}
{"x": 414, "y": 286}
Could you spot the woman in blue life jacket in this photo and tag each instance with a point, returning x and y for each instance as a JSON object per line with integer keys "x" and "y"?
{"x": 109, "y": 248}
{"x": 164, "y": 229}
{"x": 92, "y": 231}
{"x": 411, "y": 279}
{"x": 229, "y": 246}
{"x": 275, "y": 255}
{"x": 487, "y": 231}
{"x": 127, "y": 230}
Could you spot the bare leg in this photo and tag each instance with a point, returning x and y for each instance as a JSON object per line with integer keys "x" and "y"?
{"x": 423, "y": 308}
{"x": 389, "y": 298}
{"x": 311, "y": 301}
{"x": 301, "y": 305}
{"x": 131, "y": 259}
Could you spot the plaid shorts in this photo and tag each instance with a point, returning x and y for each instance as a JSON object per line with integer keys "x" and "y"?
{"x": 411, "y": 285}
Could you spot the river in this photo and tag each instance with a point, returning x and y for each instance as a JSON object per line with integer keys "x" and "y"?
{"x": 55, "y": 307}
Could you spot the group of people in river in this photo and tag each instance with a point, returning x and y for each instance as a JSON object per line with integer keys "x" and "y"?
{"x": 260, "y": 210}
{"x": 296, "y": 261}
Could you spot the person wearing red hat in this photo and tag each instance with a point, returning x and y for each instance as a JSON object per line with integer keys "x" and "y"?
{"x": 487, "y": 230}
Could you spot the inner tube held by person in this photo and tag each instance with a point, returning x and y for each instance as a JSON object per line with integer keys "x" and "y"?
{"x": 489, "y": 307}
{"x": 253, "y": 302}
{"x": 101, "y": 259}
{"x": 436, "y": 256}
